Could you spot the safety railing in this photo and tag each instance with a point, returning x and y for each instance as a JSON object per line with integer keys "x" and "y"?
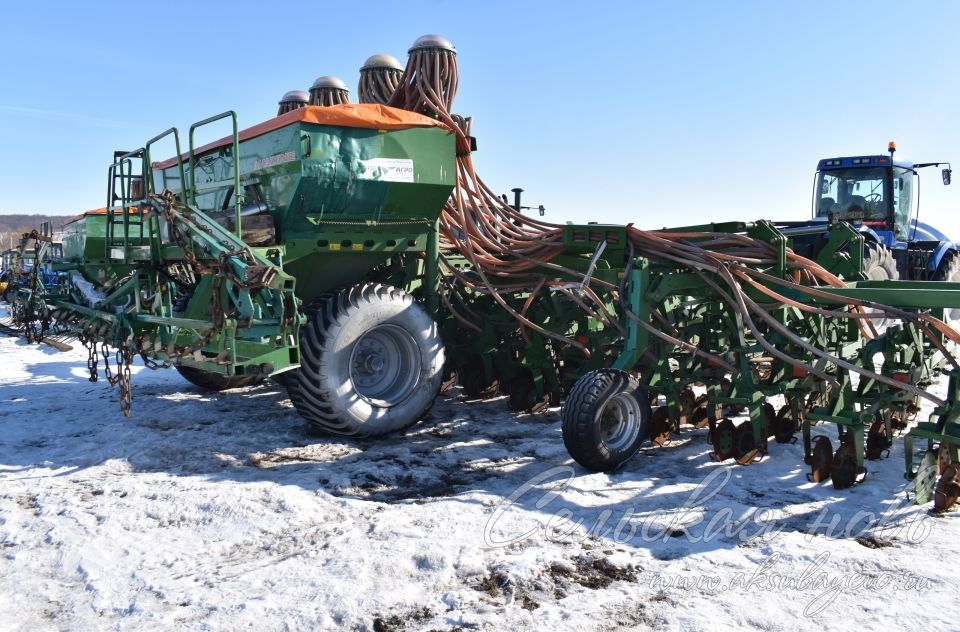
{"x": 217, "y": 184}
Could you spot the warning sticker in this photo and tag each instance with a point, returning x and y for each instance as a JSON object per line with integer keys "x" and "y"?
{"x": 387, "y": 169}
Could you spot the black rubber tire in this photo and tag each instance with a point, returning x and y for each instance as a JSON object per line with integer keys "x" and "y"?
{"x": 210, "y": 381}
{"x": 471, "y": 376}
{"x": 343, "y": 325}
{"x": 879, "y": 265}
{"x": 583, "y": 419}
{"x": 284, "y": 379}
{"x": 949, "y": 271}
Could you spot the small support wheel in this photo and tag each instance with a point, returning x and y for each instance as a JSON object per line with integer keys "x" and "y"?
{"x": 449, "y": 378}
{"x": 745, "y": 450}
{"x": 723, "y": 440}
{"x": 843, "y": 469}
{"x": 605, "y": 419}
{"x": 948, "y": 488}
{"x": 474, "y": 381}
{"x": 686, "y": 401}
{"x": 521, "y": 391}
{"x": 784, "y": 426}
{"x": 925, "y": 477}
{"x": 878, "y": 441}
{"x": 700, "y": 417}
{"x": 770, "y": 419}
{"x": 944, "y": 456}
{"x": 821, "y": 460}
{"x": 660, "y": 430}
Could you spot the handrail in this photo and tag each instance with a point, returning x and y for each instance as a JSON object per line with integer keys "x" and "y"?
{"x": 236, "y": 163}
{"x": 149, "y": 163}
{"x": 120, "y": 162}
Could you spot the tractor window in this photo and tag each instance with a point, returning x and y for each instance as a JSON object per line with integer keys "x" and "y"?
{"x": 902, "y": 201}
{"x": 852, "y": 191}
{"x": 826, "y": 202}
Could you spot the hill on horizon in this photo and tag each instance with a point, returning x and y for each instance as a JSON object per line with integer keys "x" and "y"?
{"x": 13, "y": 225}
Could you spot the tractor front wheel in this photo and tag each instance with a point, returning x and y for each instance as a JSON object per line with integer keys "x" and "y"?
{"x": 371, "y": 362}
{"x": 950, "y": 272}
{"x": 605, "y": 419}
{"x": 879, "y": 265}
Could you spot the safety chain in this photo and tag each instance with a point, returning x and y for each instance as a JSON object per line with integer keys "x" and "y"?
{"x": 124, "y": 358}
{"x": 129, "y": 347}
{"x": 118, "y": 376}
{"x": 107, "y": 372}
{"x": 149, "y": 362}
{"x": 219, "y": 272}
{"x": 91, "y": 347}
{"x": 221, "y": 268}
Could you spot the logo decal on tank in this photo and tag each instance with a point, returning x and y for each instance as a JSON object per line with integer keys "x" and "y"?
{"x": 386, "y": 169}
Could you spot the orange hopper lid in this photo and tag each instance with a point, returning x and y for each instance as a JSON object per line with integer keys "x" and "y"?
{"x": 362, "y": 115}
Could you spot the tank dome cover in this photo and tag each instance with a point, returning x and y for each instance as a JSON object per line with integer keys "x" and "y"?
{"x": 295, "y": 96}
{"x": 432, "y": 41}
{"x": 329, "y": 82}
{"x": 382, "y": 61}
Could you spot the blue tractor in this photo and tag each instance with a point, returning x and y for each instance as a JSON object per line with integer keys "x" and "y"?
{"x": 880, "y": 197}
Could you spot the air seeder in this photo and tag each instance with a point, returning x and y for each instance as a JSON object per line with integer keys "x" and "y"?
{"x": 352, "y": 253}
{"x": 269, "y": 253}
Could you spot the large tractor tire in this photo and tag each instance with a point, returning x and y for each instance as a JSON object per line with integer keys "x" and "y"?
{"x": 605, "y": 419}
{"x": 879, "y": 265}
{"x": 950, "y": 271}
{"x": 210, "y": 381}
{"x": 371, "y": 362}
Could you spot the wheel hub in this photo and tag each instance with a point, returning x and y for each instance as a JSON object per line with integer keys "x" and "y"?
{"x": 371, "y": 364}
{"x": 620, "y": 421}
{"x": 385, "y": 365}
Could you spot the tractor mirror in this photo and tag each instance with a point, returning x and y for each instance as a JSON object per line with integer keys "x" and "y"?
{"x": 946, "y": 175}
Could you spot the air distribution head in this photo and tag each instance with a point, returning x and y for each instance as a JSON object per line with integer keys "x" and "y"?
{"x": 293, "y": 100}
{"x": 295, "y": 96}
{"x": 379, "y": 77}
{"x": 328, "y": 91}
{"x": 381, "y": 62}
{"x": 432, "y": 41}
{"x": 327, "y": 81}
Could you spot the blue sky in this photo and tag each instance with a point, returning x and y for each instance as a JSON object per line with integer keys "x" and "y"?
{"x": 655, "y": 113}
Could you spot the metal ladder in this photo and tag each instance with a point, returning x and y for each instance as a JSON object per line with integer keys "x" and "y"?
{"x": 125, "y": 228}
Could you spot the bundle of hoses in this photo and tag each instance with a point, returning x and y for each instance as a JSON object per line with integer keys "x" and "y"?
{"x": 506, "y": 248}
{"x": 379, "y": 77}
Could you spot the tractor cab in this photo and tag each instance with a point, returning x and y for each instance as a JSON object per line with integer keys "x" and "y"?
{"x": 873, "y": 191}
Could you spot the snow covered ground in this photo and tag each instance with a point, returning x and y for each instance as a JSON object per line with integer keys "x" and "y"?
{"x": 217, "y": 512}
